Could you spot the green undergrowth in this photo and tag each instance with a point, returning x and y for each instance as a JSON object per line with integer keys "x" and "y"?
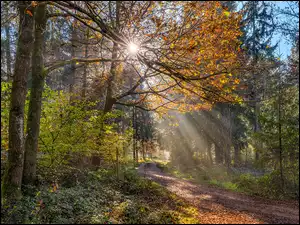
{"x": 267, "y": 186}
{"x": 99, "y": 197}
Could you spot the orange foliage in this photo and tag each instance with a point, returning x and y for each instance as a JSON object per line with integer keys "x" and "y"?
{"x": 204, "y": 51}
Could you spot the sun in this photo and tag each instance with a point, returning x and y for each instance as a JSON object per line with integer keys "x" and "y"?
{"x": 133, "y": 48}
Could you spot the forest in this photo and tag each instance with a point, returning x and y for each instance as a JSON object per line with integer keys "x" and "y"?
{"x": 164, "y": 112}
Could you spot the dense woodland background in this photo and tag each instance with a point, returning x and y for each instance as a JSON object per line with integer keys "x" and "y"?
{"x": 89, "y": 90}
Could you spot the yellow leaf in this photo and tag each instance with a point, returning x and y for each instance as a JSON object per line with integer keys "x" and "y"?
{"x": 226, "y": 13}
{"x": 98, "y": 35}
{"x": 172, "y": 45}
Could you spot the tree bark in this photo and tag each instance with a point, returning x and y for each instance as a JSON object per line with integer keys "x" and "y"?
{"x": 236, "y": 154}
{"x": 35, "y": 103}
{"x": 8, "y": 54}
{"x": 84, "y": 83}
{"x": 280, "y": 136}
{"x": 72, "y": 70}
{"x": 143, "y": 149}
{"x": 218, "y": 153}
{"x": 134, "y": 133}
{"x": 11, "y": 188}
{"x": 209, "y": 152}
{"x": 228, "y": 138}
{"x": 110, "y": 101}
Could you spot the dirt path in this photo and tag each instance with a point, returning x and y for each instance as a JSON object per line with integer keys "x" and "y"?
{"x": 220, "y": 206}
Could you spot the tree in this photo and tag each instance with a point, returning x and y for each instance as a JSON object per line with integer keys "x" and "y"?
{"x": 258, "y": 30}
{"x": 289, "y": 23}
{"x": 35, "y": 103}
{"x": 167, "y": 85}
{"x": 11, "y": 187}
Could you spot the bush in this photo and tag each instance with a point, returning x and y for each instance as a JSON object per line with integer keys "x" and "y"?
{"x": 268, "y": 185}
{"x": 247, "y": 183}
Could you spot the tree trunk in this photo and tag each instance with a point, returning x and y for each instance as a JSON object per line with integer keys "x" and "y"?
{"x": 236, "y": 154}
{"x": 8, "y": 55}
{"x": 209, "y": 152}
{"x": 11, "y": 188}
{"x": 35, "y": 104}
{"x": 117, "y": 161}
{"x": 137, "y": 155}
{"x": 256, "y": 128}
{"x": 134, "y": 133}
{"x": 143, "y": 149}
{"x": 228, "y": 138}
{"x": 84, "y": 83}
{"x": 280, "y": 136}
{"x": 256, "y": 99}
{"x": 219, "y": 154}
{"x": 72, "y": 70}
{"x": 110, "y": 101}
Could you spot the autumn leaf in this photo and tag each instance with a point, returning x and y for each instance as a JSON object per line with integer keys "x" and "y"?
{"x": 98, "y": 35}
{"x": 29, "y": 12}
{"x": 236, "y": 81}
{"x": 226, "y": 13}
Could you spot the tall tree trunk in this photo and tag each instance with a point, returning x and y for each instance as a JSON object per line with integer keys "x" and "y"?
{"x": 134, "y": 132}
{"x": 11, "y": 187}
{"x": 280, "y": 136}
{"x": 236, "y": 154}
{"x": 228, "y": 138}
{"x": 110, "y": 101}
{"x": 256, "y": 98}
{"x": 209, "y": 152}
{"x": 35, "y": 104}
{"x": 257, "y": 128}
{"x": 143, "y": 149}
{"x": 72, "y": 70}
{"x": 218, "y": 153}
{"x": 8, "y": 54}
{"x": 84, "y": 83}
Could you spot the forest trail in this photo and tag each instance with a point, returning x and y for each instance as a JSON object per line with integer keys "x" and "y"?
{"x": 221, "y": 206}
